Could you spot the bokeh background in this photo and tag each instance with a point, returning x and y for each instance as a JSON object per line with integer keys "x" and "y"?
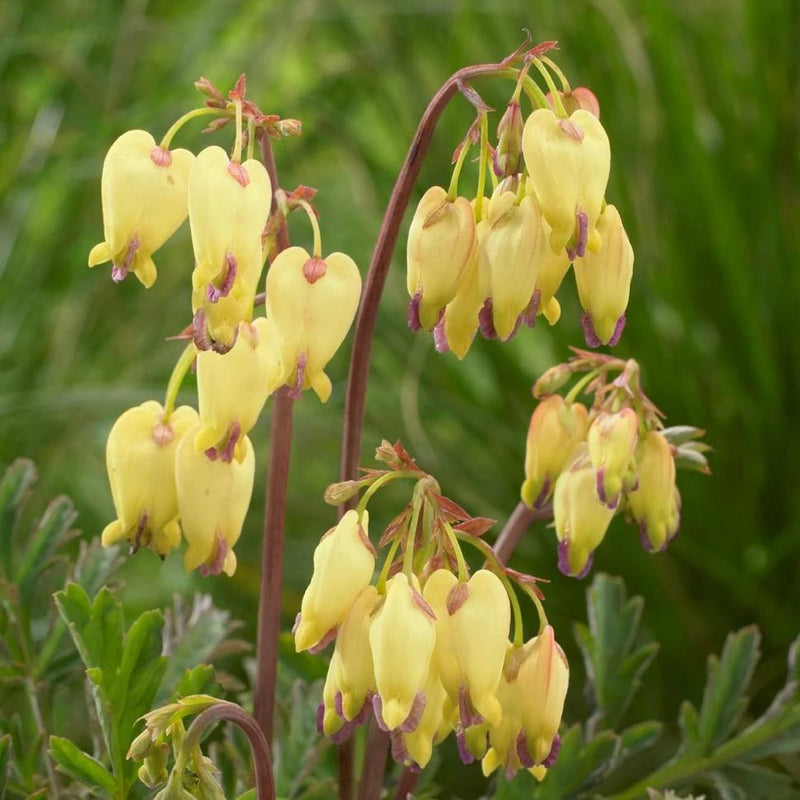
{"x": 700, "y": 99}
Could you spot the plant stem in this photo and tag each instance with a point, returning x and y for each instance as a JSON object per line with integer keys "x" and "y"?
{"x": 406, "y": 784}
{"x": 521, "y": 517}
{"x": 269, "y": 602}
{"x": 189, "y": 115}
{"x": 176, "y": 379}
{"x": 259, "y": 746}
{"x": 378, "y": 742}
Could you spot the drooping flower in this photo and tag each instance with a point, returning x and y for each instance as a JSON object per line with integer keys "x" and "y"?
{"x": 140, "y": 456}
{"x": 145, "y": 199}
{"x": 233, "y": 387}
{"x": 543, "y": 679}
{"x": 509, "y": 258}
{"x": 402, "y": 638}
{"x": 611, "y": 440}
{"x": 229, "y": 205}
{"x": 604, "y": 281}
{"x": 655, "y": 502}
{"x": 313, "y": 302}
{"x": 441, "y": 243}
{"x": 581, "y": 518}
{"x": 503, "y": 737}
{"x": 343, "y": 564}
{"x": 418, "y": 744}
{"x": 555, "y": 429}
{"x": 569, "y": 162}
{"x": 213, "y": 498}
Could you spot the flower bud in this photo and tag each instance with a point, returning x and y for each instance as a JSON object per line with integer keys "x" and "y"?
{"x": 402, "y": 638}
{"x": 313, "y": 302}
{"x": 356, "y": 671}
{"x": 509, "y": 140}
{"x": 145, "y": 198}
{"x": 604, "y": 281}
{"x": 581, "y": 519}
{"x": 555, "y": 429}
{"x": 441, "y": 241}
{"x": 655, "y": 503}
{"x": 332, "y": 721}
{"x": 569, "y": 161}
{"x": 553, "y": 268}
{"x": 213, "y": 497}
{"x": 479, "y": 633}
{"x": 343, "y": 564}
{"x": 611, "y": 440}
{"x": 508, "y": 258}
{"x": 503, "y": 736}
{"x": 543, "y": 680}
{"x": 232, "y": 388}
{"x": 140, "y": 456}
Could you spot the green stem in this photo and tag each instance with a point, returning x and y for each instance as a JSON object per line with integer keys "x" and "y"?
{"x": 251, "y": 138}
{"x": 312, "y": 218}
{"x": 573, "y": 393}
{"x": 484, "y": 162}
{"x": 408, "y": 555}
{"x": 452, "y": 191}
{"x": 498, "y": 569}
{"x": 531, "y": 592}
{"x": 463, "y": 572}
{"x": 554, "y": 93}
{"x": 532, "y": 91}
{"x": 189, "y": 115}
{"x": 176, "y": 379}
{"x": 559, "y": 72}
{"x": 379, "y": 484}
{"x": 380, "y": 585}
{"x": 237, "y": 144}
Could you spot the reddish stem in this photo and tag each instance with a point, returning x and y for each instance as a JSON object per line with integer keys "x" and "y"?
{"x": 269, "y": 601}
{"x": 377, "y": 742}
{"x": 406, "y": 784}
{"x": 259, "y": 747}
{"x": 521, "y": 517}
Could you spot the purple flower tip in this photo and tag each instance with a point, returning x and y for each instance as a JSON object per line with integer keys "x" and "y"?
{"x": 582, "y": 222}
{"x": 463, "y": 751}
{"x": 643, "y": 538}
{"x": 617, "y": 335}
{"x": 440, "y": 337}
{"x": 486, "y": 321}
{"x": 555, "y": 748}
{"x": 377, "y": 707}
{"x": 592, "y": 340}
{"x": 413, "y": 312}
{"x": 563, "y": 561}
{"x": 525, "y": 757}
{"x": 320, "y": 717}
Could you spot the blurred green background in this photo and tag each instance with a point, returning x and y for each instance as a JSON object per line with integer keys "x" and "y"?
{"x": 700, "y": 99}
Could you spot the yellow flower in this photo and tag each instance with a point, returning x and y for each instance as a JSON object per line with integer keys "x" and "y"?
{"x": 569, "y": 161}
{"x": 655, "y": 503}
{"x": 503, "y": 736}
{"x": 140, "y": 456}
{"x": 145, "y": 196}
{"x": 419, "y": 743}
{"x": 313, "y": 302}
{"x": 555, "y": 429}
{"x": 437, "y": 588}
{"x": 332, "y": 721}
{"x": 509, "y": 258}
{"x": 402, "y": 638}
{"x": 611, "y": 440}
{"x": 213, "y": 497}
{"x": 604, "y": 282}
{"x": 581, "y": 518}
{"x": 441, "y": 242}
{"x": 228, "y": 208}
{"x": 356, "y": 672}
{"x": 479, "y": 618}
{"x": 232, "y": 388}
{"x": 343, "y": 564}
{"x": 543, "y": 680}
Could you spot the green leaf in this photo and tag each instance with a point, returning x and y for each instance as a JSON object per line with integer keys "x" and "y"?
{"x": 82, "y": 767}
{"x": 724, "y": 699}
{"x": 778, "y": 729}
{"x": 614, "y": 664}
{"x": 748, "y": 782}
{"x": 14, "y": 488}
{"x": 49, "y": 533}
{"x": 199, "y": 680}
{"x": 639, "y": 737}
{"x": 5, "y": 759}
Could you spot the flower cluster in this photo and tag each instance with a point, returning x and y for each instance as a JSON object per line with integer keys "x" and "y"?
{"x": 616, "y": 456}
{"x": 176, "y": 471}
{"x": 495, "y": 263}
{"x": 426, "y": 649}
